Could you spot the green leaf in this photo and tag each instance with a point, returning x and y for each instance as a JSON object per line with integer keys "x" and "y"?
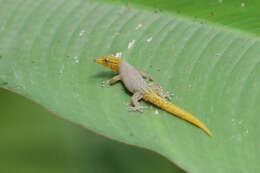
{"x": 47, "y": 49}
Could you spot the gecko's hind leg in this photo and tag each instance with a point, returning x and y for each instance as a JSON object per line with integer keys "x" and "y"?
{"x": 159, "y": 90}
{"x": 135, "y": 102}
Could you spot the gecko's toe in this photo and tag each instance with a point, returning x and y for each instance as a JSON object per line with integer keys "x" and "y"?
{"x": 136, "y": 108}
{"x": 105, "y": 84}
{"x": 168, "y": 95}
{"x": 149, "y": 78}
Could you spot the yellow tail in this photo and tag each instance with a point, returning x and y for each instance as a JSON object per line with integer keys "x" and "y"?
{"x": 153, "y": 98}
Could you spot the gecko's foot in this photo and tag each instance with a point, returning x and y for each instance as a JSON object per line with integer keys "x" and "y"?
{"x": 136, "y": 108}
{"x": 159, "y": 90}
{"x": 149, "y": 78}
{"x": 105, "y": 84}
{"x": 167, "y": 95}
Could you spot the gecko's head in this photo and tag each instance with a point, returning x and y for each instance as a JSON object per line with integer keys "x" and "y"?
{"x": 109, "y": 61}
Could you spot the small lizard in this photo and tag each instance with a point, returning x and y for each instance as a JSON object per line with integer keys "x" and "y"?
{"x": 134, "y": 82}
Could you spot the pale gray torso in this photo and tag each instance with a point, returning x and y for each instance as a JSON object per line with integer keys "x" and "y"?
{"x": 131, "y": 78}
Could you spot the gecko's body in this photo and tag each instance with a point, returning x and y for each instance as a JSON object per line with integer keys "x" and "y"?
{"x": 131, "y": 78}
{"x": 134, "y": 82}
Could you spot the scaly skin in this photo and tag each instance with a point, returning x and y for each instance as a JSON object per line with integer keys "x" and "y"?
{"x": 134, "y": 82}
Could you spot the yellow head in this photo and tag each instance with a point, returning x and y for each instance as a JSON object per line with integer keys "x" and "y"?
{"x": 109, "y": 61}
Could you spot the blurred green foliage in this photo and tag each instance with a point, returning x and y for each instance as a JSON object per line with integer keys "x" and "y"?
{"x": 32, "y": 140}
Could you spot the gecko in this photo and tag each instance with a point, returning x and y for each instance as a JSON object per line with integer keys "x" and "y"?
{"x": 136, "y": 82}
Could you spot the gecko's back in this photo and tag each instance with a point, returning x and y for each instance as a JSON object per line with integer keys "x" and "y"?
{"x": 131, "y": 78}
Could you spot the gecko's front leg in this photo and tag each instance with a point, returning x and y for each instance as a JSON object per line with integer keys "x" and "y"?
{"x": 135, "y": 102}
{"x": 111, "y": 81}
{"x": 145, "y": 75}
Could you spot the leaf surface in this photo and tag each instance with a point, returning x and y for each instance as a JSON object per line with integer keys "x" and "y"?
{"x": 47, "y": 50}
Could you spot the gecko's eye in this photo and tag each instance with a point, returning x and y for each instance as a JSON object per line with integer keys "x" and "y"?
{"x": 106, "y": 60}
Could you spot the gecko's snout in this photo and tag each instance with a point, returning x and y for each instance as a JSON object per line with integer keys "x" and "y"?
{"x": 98, "y": 60}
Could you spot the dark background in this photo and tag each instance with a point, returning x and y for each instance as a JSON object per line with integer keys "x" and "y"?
{"x": 34, "y": 140}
